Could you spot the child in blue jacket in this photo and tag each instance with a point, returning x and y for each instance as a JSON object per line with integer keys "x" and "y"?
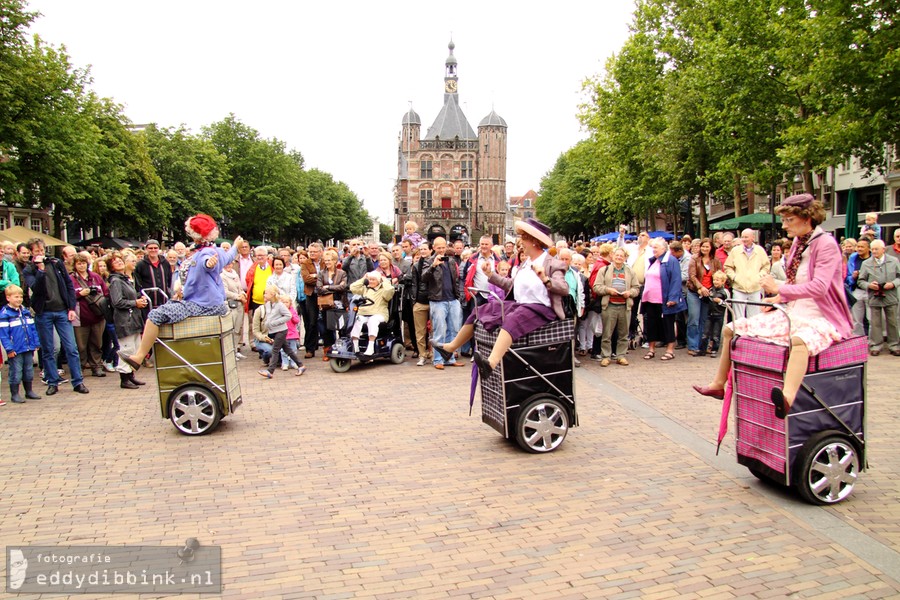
{"x": 20, "y": 339}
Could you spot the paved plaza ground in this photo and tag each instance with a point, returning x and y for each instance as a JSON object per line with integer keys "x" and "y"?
{"x": 377, "y": 484}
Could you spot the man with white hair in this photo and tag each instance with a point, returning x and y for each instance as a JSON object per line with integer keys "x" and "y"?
{"x": 745, "y": 267}
{"x": 879, "y": 275}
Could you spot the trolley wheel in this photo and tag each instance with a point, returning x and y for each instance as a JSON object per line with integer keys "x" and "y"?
{"x": 340, "y": 365}
{"x": 194, "y": 410}
{"x": 542, "y": 425}
{"x": 398, "y": 353}
{"x": 829, "y": 468}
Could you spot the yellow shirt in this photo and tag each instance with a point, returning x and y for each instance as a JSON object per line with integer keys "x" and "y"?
{"x": 260, "y": 277}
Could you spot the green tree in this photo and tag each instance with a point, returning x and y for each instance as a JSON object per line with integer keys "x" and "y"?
{"x": 268, "y": 182}
{"x": 194, "y": 176}
{"x": 385, "y": 233}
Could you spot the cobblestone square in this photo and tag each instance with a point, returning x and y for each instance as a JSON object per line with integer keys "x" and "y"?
{"x": 377, "y": 484}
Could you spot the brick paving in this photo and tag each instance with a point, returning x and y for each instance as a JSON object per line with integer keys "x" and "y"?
{"x": 377, "y": 484}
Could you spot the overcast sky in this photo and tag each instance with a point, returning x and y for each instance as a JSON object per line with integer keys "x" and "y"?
{"x": 334, "y": 79}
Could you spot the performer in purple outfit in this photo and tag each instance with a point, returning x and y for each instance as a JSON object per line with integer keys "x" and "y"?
{"x": 538, "y": 288}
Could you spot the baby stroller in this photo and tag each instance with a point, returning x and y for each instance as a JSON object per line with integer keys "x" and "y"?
{"x": 819, "y": 447}
{"x": 530, "y": 396}
{"x": 387, "y": 341}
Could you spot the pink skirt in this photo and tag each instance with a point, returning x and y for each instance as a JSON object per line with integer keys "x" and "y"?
{"x": 816, "y": 332}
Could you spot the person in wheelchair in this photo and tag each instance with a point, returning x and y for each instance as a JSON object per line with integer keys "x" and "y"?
{"x": 378, "y": 291}
{"x": 538, "y": 287}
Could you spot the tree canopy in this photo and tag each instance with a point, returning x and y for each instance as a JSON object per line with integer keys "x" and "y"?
{"x": 709, "y": 97}
{"x": 65, "y": 149}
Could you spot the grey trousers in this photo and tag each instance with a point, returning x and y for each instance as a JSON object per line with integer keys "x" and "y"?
{"x": 615, "y": 318}
{"x": 879, "y": 317}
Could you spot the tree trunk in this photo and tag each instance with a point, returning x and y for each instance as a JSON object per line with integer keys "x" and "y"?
{"x": 807, "y": 178}
{"x": 751, "y": 198}
{"x": 737, "y": 195}
{"x": 704, "y": 221}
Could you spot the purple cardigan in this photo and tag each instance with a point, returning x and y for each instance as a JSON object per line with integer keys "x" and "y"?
{"x": 826, "y": 284}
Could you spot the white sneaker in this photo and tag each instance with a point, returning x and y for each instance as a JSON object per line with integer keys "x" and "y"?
{"x": 284, "y": 367}
{"x": 108, "y": 367}
{"x": 239, "y": 356}
{"x": 645, "y": 345}
{"x": 421, "y": 362}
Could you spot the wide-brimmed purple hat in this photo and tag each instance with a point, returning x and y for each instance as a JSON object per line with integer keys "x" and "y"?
{"x": 535, "y": 229}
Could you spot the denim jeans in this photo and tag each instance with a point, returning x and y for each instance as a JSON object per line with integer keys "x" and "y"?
{"x": 46, "y": 323}
{"x": 446, "y": 319}
{"x": 21, "y": 367}
{"x": 265, "y": 351}
{"x": 110, "y": 345}
{"x": 698, "y": 309}
{"x": 285, "y": 359}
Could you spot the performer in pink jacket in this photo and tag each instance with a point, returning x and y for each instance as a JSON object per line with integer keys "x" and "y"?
{"x": 813, "y": 296}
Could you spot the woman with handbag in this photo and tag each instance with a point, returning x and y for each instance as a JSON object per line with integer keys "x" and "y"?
{"x": 331, "y": 295}
{"x": 90, "y": 323}
{"x": 127, "y": 305}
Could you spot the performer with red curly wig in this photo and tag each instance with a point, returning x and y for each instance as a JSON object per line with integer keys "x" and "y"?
{"x": 203, "y": 293}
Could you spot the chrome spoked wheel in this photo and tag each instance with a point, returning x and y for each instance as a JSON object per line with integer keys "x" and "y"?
{"x": 830, "y": 469}
{"x": 194, "y": 410}
{"x": 542, "y": 425}
{"x": 339, "y": 365}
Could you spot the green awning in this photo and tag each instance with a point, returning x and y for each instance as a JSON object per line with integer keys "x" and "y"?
{"x": 754, "y": 220}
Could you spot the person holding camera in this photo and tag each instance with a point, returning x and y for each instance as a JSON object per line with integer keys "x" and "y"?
{"x": 879, "y": 275}
{"x": 442, "y": 277}
{"x": 90, "y": 321}
{"x": 53, "y": 301}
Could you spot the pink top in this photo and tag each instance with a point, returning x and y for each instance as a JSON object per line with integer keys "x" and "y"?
{"x": 652, "y": 285}
{"x": 292, "y": 325}
{"x": 825, "y": 285}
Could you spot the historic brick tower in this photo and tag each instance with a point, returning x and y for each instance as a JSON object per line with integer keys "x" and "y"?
{"x": 452, "y": 182}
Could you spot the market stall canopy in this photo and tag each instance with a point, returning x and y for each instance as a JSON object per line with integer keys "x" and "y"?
{"x": 754, "y": 220}
{"x": 23, "y": 234}
{"x": 662, "y": 234}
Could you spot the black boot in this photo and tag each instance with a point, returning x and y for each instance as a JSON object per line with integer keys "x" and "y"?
{"x": 14, "y": 394}
{"x": 135, "y": 381}
{"x": 126, "y": 381}
{"x": 28, "y": 391}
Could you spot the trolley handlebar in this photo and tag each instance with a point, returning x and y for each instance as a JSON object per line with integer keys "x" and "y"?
{"x": 474, "y": 290}
{"x": 153, "y": 289}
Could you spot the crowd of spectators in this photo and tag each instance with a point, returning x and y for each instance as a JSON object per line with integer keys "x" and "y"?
{"x": 81, "y": 308}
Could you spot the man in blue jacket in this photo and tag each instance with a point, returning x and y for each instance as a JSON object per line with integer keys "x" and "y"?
{"x": 53, "y": 301}
{"x": 860, "y": 309}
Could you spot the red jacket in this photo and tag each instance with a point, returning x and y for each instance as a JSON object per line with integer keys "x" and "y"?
{"x": 470, "y": 272}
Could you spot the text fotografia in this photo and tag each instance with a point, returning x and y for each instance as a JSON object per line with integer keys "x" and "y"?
{"x": 114, "y": 569}
{"x": 69, "y": 559}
